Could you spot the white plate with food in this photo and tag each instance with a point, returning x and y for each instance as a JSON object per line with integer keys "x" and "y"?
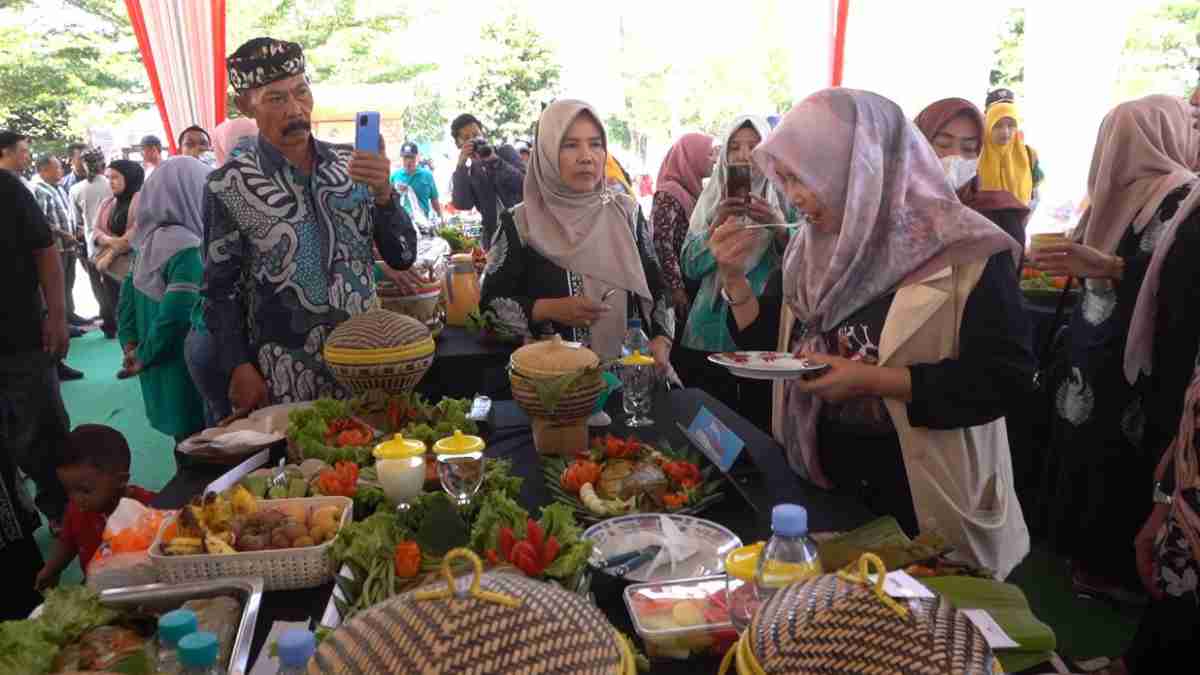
{"x": 641, "y": 547}
{"x": 762, "y": 365}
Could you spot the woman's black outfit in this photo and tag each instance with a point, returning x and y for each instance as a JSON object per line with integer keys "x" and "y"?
{"x": 1100, "y": 441}
{"x": 517, "y": 276}
{"x": 858, "y": 444}
{"x": 1170, "y": 628}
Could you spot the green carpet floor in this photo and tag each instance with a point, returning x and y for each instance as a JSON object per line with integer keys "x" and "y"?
{"x": 1084, "y": 628}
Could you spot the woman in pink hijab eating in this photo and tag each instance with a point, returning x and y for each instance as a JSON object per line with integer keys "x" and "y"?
{"x": 910, "y": 299}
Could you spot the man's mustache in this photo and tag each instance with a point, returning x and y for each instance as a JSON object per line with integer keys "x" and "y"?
{"x": 298, "y": 125}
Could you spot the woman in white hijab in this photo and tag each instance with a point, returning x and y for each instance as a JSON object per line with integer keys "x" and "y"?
{"x": 705, "y": 332}
{"x": 571, "y": 242}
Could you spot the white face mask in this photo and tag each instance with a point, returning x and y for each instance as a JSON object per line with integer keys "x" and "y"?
{"x": 959, "y": 170}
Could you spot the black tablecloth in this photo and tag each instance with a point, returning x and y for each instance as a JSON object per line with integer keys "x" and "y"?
{"x": 465, "y": 367}
{"x": 759, "y": 480}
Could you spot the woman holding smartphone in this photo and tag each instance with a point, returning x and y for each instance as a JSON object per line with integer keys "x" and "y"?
{"x": 571, "y": 258}
{"x": 737, "y": 190}
{"x": 908, "y": 297}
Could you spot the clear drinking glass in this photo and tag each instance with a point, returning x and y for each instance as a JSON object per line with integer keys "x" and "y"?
{"x": 637, "y": 385}
{"x": 402, "y": 480}
{"x": 461, "y": 475}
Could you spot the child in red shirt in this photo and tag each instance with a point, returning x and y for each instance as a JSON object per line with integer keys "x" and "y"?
{"x": 93, "y": 466}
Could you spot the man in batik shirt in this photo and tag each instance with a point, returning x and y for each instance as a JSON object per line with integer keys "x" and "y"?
{"x": 289, "y": 227}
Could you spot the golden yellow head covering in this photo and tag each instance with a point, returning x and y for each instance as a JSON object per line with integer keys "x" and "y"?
{"x": 614, "y": 172}
{"x": 1005, "y": 167}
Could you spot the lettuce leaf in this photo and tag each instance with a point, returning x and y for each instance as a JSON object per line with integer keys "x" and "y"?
{"x": 558, "y": 519}
{"x": 497, "y": 510}
{"x": 25, "y": 648}
{"x": 570, "y": 560}
{"x": 70, "y": 611}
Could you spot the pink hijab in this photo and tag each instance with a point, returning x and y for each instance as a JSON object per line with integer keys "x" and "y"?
{"x": 1143, "y": 152}
{"x": 682, "y": 171}
{"x": 229, "y": 133}
{"x": 1155, "y": 155}
{"x": 899, "y": 223}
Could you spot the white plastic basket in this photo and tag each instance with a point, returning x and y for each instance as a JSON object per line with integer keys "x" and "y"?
{"x": 281, "y": 569}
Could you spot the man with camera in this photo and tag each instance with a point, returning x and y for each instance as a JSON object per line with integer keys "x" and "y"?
{"x": 487, "y": 178}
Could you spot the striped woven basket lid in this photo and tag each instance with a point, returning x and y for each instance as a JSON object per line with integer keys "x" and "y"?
{"x": 840, "y": 623}
{"x": 377, "y": 329}
{"x": 499, "y": 623}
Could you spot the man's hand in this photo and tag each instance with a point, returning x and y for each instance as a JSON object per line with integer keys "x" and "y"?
{"x": 465, "y": 152}
{"x": 374, "y": 170}
{"x": 56, "y": 339}
{"x": 575, "y": 311}
{"x": 247, "y": 388}
{"x": 45, "y": 579}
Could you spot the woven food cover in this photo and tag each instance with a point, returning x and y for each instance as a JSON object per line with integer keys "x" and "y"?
{"x": 840, "y": 623}
{"x": 553, "y": 357}
{"x": 378, "y": 330}
{"x": 494, "y": 623}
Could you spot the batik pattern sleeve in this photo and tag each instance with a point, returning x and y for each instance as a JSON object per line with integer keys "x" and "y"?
{"x": 506, "y": 281}
{"x": 395, "y": 235}
{"x": 164, "y": 338}
{"x": 668, "y": 217}
{"x": 662, "y": 316}
{"x": 224, "y": 301}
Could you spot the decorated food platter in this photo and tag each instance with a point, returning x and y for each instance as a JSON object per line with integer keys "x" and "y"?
{"x": 616, "y": 477}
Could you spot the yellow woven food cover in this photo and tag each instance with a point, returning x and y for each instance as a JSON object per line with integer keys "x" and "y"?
{"x": 843, "y": 624}
{"x": 376, "y": 336}
{"x": 494, "y": 623}
{"x": 553, "y": 357}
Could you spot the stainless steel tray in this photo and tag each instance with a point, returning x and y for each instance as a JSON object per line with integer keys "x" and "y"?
{"x": 165, "y": 597}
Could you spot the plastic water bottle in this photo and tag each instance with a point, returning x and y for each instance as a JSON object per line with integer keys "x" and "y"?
{"x": 637, "y": 376}
{"x": 198, "y": 654}
{"x": 296, "y": 647}
{"x": 172, "y": 627}
{"x": 790, "y": 556}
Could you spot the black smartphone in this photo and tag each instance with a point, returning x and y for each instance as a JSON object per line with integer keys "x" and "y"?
{"x": 737, "y": 182}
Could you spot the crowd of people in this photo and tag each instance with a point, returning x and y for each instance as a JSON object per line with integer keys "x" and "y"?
{"x": 884, "y": 248}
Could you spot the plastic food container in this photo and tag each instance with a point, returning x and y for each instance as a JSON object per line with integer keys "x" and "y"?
{"x": 677, "y": 619}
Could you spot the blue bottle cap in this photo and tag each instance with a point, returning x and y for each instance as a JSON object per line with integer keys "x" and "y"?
{"x": 198, "y": 650}
{"x": 296, "y": 647}
{"x": 790, "y": 520}
{"x": 172, "y": 626}
{"x": 635, "y": 323}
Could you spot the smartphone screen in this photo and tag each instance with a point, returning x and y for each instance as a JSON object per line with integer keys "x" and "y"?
{"x": 737, "y": 182}
{"x": 366, "y": 132}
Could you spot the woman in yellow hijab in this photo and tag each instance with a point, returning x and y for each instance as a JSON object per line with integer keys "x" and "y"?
{"x": 1006, "y": 163}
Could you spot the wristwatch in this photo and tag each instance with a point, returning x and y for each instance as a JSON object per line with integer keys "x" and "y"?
{"x": 1161, "y": 497}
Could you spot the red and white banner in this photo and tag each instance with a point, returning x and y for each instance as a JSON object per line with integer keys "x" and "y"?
{"x": 183, "y": 48}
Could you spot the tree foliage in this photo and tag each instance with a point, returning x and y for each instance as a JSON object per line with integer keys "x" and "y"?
{"x": 1161, "y": 54}
{"x": 514, "y": 76}
{"x": 52, "y": 80}
{"x": 1008, "y": 70}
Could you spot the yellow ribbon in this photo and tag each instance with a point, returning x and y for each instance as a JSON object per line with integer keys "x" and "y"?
{"x": 474, "y": 591}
